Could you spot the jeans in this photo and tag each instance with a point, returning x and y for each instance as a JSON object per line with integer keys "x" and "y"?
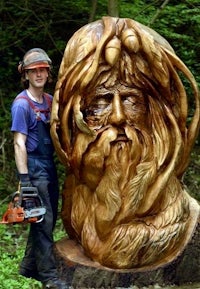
{"x": 38, "y": 256}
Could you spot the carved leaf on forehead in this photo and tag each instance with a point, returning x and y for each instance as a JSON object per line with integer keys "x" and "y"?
{"x": 142, "y": 66}
{"x": 112, "y": 79}
{"x": 126, "y": 69}
{"x": 83, "y": 42}
{"x": 154, "y": 58}
{"x": 129, "y": 64}
{"x": 102, "y": 76}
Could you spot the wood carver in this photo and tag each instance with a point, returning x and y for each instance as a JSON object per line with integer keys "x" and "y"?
{"x": 119, "y": 121}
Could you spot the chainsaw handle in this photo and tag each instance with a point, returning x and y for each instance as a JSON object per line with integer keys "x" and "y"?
{"x": 29, "y": 191}
{"x": 16, "y": 198}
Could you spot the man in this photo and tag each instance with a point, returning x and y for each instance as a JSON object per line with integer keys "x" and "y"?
{"x": 34, "y": 160}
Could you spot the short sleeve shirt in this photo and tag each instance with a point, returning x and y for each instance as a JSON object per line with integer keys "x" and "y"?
{"x": 24, "y": 118}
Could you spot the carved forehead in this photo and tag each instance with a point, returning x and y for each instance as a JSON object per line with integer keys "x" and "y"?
{"x": 117, "y": 87}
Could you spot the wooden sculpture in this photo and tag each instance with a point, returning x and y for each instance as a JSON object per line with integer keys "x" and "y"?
{"x": 120, "y": 123}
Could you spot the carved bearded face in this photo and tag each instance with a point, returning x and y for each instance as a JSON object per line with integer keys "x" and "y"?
{"x": 119, "y": 123}
{"x": 119, "y": 117}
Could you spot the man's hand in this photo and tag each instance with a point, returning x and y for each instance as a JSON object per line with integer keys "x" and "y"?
{"x": 25, "y": 180}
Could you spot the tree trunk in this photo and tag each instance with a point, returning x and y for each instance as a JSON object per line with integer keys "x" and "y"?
{"x": 113, "y": 8}
{"x": 81, "y": 272}
{"x": 93, "y": 11}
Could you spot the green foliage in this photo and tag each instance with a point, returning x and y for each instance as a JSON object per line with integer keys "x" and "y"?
{"x": 10, "y": 279}
{"x": 12, "y": 245}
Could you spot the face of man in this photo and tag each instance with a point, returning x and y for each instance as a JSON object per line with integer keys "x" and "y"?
{"x": 37, "y": 77}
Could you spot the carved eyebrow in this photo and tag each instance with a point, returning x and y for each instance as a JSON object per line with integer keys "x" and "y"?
{"x": 104, "y": 95}
{"x": 132, "y": 92}
{"x": 122, "y": 93}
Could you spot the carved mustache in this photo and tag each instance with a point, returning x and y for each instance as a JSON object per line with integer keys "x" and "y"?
{"x": 101, "y": 144}
{"x": 121, "y": 134}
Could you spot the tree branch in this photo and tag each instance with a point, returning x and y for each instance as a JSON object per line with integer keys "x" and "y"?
{"x": 159, "y": 10}
{"x": 93, "y": 11}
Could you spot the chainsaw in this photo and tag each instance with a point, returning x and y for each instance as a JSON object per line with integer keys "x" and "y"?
{"x": 26, "y": 206}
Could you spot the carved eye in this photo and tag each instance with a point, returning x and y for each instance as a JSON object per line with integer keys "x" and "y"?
{"x": 99, "y": 107}
{"x": 129, "y": 101}
{"x": 132, "y": 102}
{"x": 93, "y": 110}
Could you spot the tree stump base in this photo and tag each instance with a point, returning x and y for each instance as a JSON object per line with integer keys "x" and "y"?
{"x": 81, "y": 272}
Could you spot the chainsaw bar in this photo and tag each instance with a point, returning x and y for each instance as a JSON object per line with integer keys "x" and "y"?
{"x": 36, "y": 212}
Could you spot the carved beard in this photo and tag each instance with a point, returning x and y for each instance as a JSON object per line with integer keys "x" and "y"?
{"x": 112, "y": 169}
{"x": 107, "y": 191}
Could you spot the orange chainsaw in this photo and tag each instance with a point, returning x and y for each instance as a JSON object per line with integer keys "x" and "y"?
{"x": 26, "y": 206}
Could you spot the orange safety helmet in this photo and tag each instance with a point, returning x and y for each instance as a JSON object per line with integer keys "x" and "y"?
{"x": 34, "y": 58}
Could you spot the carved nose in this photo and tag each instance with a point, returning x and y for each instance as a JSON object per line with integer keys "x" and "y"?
{"x": 117, "y": 116}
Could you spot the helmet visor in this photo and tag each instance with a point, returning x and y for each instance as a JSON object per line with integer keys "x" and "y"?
{"x": 40, "y": 64}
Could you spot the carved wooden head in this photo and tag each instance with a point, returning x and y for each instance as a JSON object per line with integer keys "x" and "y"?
{"x": 119, "y": 122}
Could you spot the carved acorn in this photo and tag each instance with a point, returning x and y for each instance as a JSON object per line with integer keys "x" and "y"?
{"x": 112, "y": 51}
{"x": 130, "y": 40}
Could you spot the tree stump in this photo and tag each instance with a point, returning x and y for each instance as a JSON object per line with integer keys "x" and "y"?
{"x": 81, "y": 272}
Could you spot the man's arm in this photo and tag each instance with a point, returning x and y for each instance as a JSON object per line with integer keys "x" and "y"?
{"x": 20, "y": 152}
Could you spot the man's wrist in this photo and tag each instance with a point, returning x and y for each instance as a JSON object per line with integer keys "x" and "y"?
{"x": 24, "y": 177}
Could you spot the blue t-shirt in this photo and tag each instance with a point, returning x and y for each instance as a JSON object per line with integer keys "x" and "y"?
{"x": 24, "y": 118}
